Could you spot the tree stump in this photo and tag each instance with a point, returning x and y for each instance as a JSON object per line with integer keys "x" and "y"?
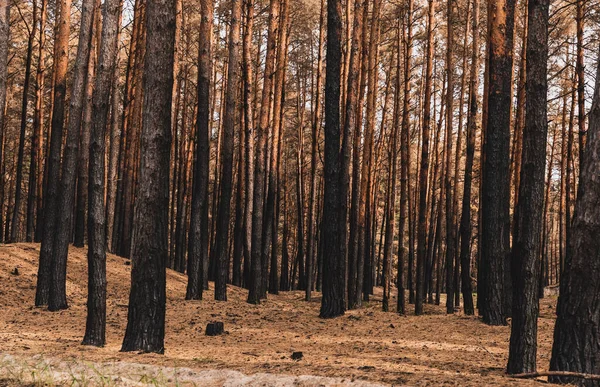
{"x": 214, "y": 328}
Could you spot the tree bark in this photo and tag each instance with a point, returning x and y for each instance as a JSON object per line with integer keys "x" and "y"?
{"x": 528, "y": 226}
{"x": 575, "y": 347}
{"x": 61, "y": 58}
{"x": 147, "y": 300}
{"x": 66, "y": 191}
{"x": 198, "y": 239}
{"x": 465, "y": 220}
{"x": 257, "y": 264}
{"x": 333, "y": 301}
{"x": 95, "y": 331}
{"x": 226, "y": 181}
{"x": 16, "y": 215}
{"x": 424, "y": 167}
{"x": 495, "y": 220}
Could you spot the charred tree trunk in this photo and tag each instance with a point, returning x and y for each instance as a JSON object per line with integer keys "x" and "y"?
{"x": 147, "y": 299}
{"x": 528, "y": 226}
{"x": 226, "y": 181}
{"x": 95, "y": 331}
{"x": 333, "y": 301}
{"x": 198, "y": 238}
{"x": 61, "y": 59}
{"x": 257, "y": 264}
{"x": 66, "y": 191}
{"x": 575, "y": 345}
{"x": 465, "y": 220}
{"x": 495, "y": 220}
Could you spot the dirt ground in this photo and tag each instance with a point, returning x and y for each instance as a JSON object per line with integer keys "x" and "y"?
{"x": 364, "y": 345}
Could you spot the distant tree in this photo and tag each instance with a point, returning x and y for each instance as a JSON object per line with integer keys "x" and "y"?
{"x": 16, "y": 215}
{"x": 424, "y": 167}
{"x": 147, "y": 299}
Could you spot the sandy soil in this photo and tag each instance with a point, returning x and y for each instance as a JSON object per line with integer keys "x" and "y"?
{"x": 363, "y": 345}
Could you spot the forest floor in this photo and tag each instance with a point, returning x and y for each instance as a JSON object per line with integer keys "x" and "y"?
{"x": 365, "y": 346}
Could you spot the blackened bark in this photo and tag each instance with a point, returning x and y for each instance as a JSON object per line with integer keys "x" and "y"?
{"x": 4, "y": 43}
{"x": 257, "y": 264}
{"x": 404, "y": 156}
{"x": 528, "y": 226}
{"x": 84, "y": 146}
{"x": 198, "y": 239}
{"x": 66, "y": 192}
{"x": 465, "y": 220}
{"x": 226, "y": 181}
{"x": 333, "y": 301}
{"x": 495, "y": 219}
{"x": 95, "y": 330}
{"x": 576, "y": 347}
{"x": 350, "y": 123}
{"x": 34, "y": 205}
{"x": 52, "y": 169}
{"x": 147, "y": 300}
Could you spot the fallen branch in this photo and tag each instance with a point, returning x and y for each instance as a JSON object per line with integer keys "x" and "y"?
{"x": 565, "y": 374}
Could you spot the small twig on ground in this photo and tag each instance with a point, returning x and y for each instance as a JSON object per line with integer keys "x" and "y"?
{"x": 565, "y": 374}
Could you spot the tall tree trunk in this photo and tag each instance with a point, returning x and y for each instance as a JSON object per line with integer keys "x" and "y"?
{"x": 465, "y": 220}
{"x": 405, "y": 153}
{"x": 226, "y": 181}
{"x": 198, "y": 239}
{"x": 95, "y": 331}
{"x": 85, "y": 133}
{"x": 580, "y": 70}
{"x": 249, "y": 137}
{"x": 147, "y": 299}
{"x": 4, "y": 45}
{"x": 16, "y": 215}
{"x": 114, "y": 152}
{"x": 528, "y": 227}
{"x": 333, "y": 301}
{"x": 424, "y": 167}
{"x": 575, "y": 345}
{"x": 495, "y": 220}
{"x": 450, "y": 216}
{"x": 350, "y": 121}
{"x": 35, "y": 167}
{"x": 66, "y": 192}
{"x": 315, "y": 132}
{"x": 270, "y": 236}
{"x": 257, "y": 264}
{"x": 61, "y": 59}
{"x": 388, "y": 250}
